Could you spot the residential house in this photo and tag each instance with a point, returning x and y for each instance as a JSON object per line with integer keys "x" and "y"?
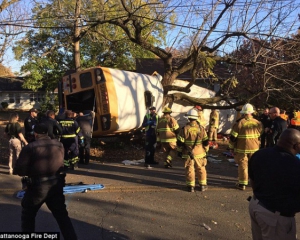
{"x": 17, "y": 97}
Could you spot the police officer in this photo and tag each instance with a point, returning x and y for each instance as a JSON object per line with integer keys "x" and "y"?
{"x": 71, "y": 135}
{"x": 150, "y": 122}
{"x": 194, "y": 141}
{"x": 54, "y": 128}
{"x": 85, "y": 121}
{"x": 277, "y": 126}
{"x": 29, "y": 123}
{"x": 42, "y": 162}
{"x": 265, "y": 120}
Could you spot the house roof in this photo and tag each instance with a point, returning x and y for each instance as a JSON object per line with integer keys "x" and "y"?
{"x": 12, "y": 84}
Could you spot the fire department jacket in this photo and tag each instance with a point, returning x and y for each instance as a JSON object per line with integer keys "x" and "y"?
{"x": 187, "y": 138}
{"x": 295, "y": 123}
{"x": 245, "y": 134}
{"x": 167, "y": 129}
{"x": 214, "y": 120}
{"x": 70, "y": 128}
{"x": 201, "y": 119}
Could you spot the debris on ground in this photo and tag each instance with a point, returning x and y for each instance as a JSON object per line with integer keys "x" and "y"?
{"x": 133, "y": 162}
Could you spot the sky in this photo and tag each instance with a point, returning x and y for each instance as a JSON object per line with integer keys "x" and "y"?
{"x": 192, "y": 17}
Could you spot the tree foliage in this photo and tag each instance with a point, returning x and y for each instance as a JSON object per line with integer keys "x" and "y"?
{"x": 246, "y": 37}
{"x": 12, "y": 15}
{"x": 274, "y": 79}
{"x": 49, "y": 50}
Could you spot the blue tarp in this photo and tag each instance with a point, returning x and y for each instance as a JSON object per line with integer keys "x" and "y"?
{"x": 73, "y": 189}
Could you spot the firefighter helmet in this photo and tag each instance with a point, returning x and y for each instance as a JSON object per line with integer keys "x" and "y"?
{"x": 247, "y": 109}
{"x": 192, "y": 114}
{"x": 199, "y": 108}
{"x": 167, "y": 110}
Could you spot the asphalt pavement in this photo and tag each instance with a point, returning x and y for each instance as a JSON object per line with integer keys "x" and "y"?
{"x": 138, "y": 203}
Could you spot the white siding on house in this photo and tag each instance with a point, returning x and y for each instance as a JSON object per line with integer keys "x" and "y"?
{"x": 22, "y": 100}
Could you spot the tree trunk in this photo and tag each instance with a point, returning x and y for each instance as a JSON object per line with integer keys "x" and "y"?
{"x": 76, "y": 40}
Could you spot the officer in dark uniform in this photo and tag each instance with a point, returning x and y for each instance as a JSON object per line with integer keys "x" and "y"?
{"x": 54, "y": 128}
{"x": 70, "y": 138}
{"x": 278, "y": 125}
{"x": 42, "y": 163}
{"x": 150, "y": 122}
{"x": 275, "y": 179}
{"x": 85, "y": 121}
{"x": 29, "y": 123}
{"x": 266, "y": 121}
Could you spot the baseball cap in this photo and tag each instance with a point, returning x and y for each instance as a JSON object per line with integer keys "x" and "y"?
{"x": 33, "y": 110}
{"x": 40, "y": 128}
{"x": 152, "y": 108}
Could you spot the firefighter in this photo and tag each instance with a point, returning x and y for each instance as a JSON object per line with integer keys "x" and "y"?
{"x": 200, "y": 119}
{"x": 167, "y": 130}
{"x": 295, "y": 121}
{"x": 244, "y": 141}
{"x": 29, "y": 124}
{"x": 213, "y": 126}
{"x": 70, "y": 138}
{"x": 194, "y": 142}
{"x": 150, "y": 122}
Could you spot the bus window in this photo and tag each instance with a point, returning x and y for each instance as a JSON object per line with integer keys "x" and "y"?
{"x": 86, "y": 80}
{"x": 81, "y": 101}
{"x": 149, "y": 99}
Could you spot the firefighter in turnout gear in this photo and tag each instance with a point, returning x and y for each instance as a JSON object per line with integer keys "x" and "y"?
{"x": 213, "y": 125}
{"x": 244, "y": 141}
{"x": 70, "y": 138}
{"x": 200, "y": 119}
{"x": 194, "y": 143}
{"x": 167, "y": 130}
{"x": 150, "y": 122}
{"x": 295, "y": 121}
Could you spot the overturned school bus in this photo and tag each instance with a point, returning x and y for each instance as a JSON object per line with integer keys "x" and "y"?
{"x": 118, "y": 98}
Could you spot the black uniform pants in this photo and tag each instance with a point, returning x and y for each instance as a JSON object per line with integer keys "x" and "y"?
{"x": 84, "y": 151}
{"x": 150, "y": 149}
{"x": 51, "y": 193}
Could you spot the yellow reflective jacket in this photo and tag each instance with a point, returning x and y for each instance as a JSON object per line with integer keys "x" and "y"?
{"x": 166, "y": 128}
{"x": 245, "y": 134}
{"x": 187, "y": 137}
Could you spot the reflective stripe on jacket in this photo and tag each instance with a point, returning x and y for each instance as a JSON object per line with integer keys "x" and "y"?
{"x": 245, "y": 135}
{"x": 188, "y": 136}
{"x": 166, "y": 128}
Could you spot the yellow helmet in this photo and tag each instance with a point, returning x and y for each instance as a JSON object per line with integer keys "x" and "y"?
{"x": 167, "y": 110}
{"x": 247, "y": 109}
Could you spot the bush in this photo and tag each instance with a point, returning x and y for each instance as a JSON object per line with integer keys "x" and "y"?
{"x": 4, "y": 105}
